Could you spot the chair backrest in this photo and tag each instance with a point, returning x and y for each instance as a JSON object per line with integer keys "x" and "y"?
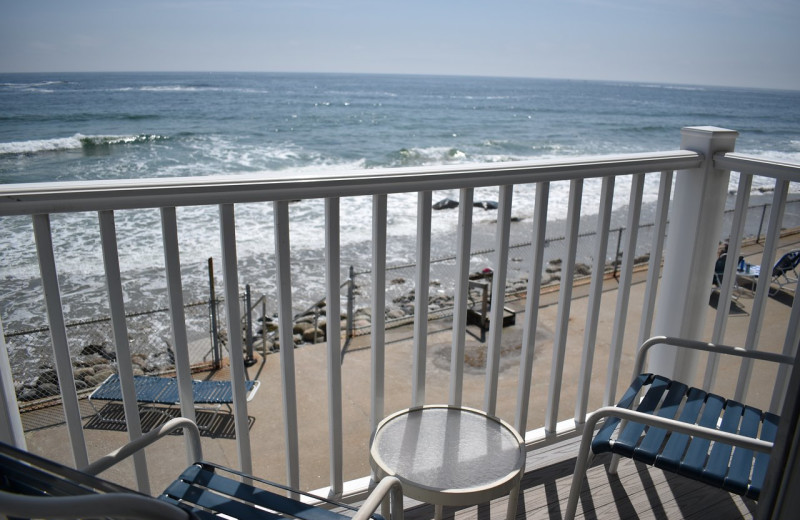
{"x": 719, "y": 265}
{"x": 787, "y": 262}
{"x": 719, "y": 269}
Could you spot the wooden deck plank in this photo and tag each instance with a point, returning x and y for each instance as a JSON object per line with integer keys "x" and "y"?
{"x": 637, "y": 491}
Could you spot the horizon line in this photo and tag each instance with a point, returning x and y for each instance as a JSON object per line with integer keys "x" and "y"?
{"x": 420, "y": 74}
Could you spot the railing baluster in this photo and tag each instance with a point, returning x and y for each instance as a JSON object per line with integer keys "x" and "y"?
{"x": 790, "y": 346}
{"x": 172, "y": 263}
{"x": 498, "y": 297}
{"x": 763, "y": 286}
{"x": 283, "y": 283}
{"x": 227, "y": 238}
{"x": 102, "y": 198}
{"x": 461, "y": 295}
{"x": 421, "y": 291}
{"x": 58, "y": 335}
{"x": 656, "y": 255}
{"x": 564, "y": 302}
{"x": 532, "y": 307}
{"x": 595, "y": 296}
{"x": 728, "y": 276}
{"x": 334, "y": 342}
{"x": 11, "y": 430}
{"x": 624, "y": 290}
{"x": 378, "y": 338}
{"x": 119, "y": 326}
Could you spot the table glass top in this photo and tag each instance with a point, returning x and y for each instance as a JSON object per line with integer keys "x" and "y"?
{"x": 448, "y": 448}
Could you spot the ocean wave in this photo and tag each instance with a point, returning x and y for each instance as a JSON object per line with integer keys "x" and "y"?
{"x": 193, "y": 88}
{"x": 75, "y": 142}
{"x": 427, "y": 156}
{"x": 32, "y": 86}
{"x": 79, "y": 117}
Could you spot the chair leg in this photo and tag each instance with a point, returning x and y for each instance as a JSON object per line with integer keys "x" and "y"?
{"x": 386, "y": 507}
{"x": 613, "y": 466}
{"x": 582, "y": 463}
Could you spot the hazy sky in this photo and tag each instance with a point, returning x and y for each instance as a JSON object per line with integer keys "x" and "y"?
{"x": 752, "y": 43}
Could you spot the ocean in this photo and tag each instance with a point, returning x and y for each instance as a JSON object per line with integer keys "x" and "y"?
{"x": 67, "y": 127}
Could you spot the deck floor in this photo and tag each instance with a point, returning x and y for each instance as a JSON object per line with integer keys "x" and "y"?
{"x": 637, "y": 491}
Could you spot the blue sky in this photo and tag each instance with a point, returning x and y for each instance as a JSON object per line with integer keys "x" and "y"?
{"x": 745, "y": 43}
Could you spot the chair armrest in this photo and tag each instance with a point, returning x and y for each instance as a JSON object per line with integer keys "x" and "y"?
{"x": 641, "y": 354}
{"x": 673, "y": 425}
{"x": 190, "y": 430}
{"x": 388, "y": 485}
{"x": 122, "y": 505}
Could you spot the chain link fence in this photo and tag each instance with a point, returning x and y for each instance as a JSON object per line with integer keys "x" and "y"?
{"x": 400, "y": 299}
{"x": 93, "y": 354}
{"x": 150, "y": 337}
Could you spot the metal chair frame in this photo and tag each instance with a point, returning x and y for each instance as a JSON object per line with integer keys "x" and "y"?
{"x": 668, "y": 433}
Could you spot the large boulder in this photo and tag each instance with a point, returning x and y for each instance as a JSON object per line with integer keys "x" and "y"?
{"x": 313, "y": 335}
{"x": 446, "y": 204}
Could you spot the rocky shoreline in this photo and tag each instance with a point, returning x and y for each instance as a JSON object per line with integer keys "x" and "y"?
{"x": 90, "y": 368}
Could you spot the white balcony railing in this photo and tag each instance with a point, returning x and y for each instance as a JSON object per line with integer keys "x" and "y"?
{"x": 695, "y": 228}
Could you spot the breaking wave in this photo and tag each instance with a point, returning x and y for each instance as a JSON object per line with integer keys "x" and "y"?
{"x": 75, "y": 142}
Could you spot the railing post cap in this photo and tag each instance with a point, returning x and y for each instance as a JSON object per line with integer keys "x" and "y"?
{"x": 708, "y": 139}
{"x": 705, "y": 130}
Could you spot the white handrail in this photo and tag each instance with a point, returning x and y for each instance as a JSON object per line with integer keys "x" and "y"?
{"x": 49, "y": 197}
{"x": 739, "y": 162}
{"x": 225, "y": 192}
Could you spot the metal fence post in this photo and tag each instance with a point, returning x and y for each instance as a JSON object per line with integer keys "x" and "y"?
{"x": 249, "y": 360}
{"x": 761, "y": 224}
{"x": 264, "y": 325}
{"x": 616, "y": 255}
{"x": 212, "y": 303}
{"x": 350, "y": 302}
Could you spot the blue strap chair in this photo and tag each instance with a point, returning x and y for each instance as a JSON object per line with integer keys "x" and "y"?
{"x": 784, "y": 272}
{"x": 672, "y": 427}
{"x": 153, "y": 392}
{"x": 35, "y": 487}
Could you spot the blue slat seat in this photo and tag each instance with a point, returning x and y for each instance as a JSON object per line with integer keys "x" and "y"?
{"x": 35, "y": 487}
{"x": 692, "y": 457}
{"x": 684, "y": 430}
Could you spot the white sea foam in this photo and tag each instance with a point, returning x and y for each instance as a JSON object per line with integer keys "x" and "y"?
{"x": 41, "y": 145}
{"x": 74, "y": 142}
{"x": 192, "y": 88}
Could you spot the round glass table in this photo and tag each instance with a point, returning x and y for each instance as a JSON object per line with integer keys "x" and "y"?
{"x": 450, "y": 456}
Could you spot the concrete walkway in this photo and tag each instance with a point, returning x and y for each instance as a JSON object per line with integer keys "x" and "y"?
{"x": 265, "y": 411}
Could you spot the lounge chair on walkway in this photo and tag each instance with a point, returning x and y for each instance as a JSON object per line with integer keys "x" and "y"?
{"x": 154, "y": 392}
{"x": 783, "y": 273}
{"x": 673, "y": 425}
{"x": 34, "y": 487}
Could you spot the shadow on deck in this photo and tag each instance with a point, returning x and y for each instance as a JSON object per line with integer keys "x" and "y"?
{"x": 637, "y": 491}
